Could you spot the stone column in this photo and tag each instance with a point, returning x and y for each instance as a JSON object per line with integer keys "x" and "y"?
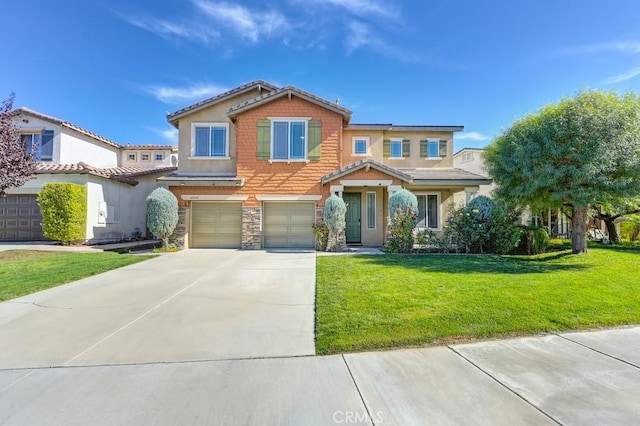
{"x": 178, "y": 236}
{"x": 251, "y": 233}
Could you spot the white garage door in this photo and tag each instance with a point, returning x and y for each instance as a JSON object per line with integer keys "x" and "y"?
{"x": 216, "y": 225}
{"x": 288, "y": 224}
{"x": 20, "y": 218}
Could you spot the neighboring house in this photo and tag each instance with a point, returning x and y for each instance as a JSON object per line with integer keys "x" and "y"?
{"x": 258, "y": 162}
{"x": 116, "y": 193}
{"x": 149, "y": 155}
{"x": 471, "y": 160}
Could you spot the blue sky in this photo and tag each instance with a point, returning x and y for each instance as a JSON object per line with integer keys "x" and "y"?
{"x": 117, "y": 67}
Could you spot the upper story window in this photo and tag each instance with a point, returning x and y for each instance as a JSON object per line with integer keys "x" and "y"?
{"x": 467, "y": 156}
{"x": 396, "y": 148}
{"x": 289, "y": 139}
{"x": 146, "y": 157}
{"x": 360, "y": 145}
{"x": 159, "y": 157}
{"x": 43, "y": 143}
{"x": 131, "y": 157}
{"x": 210, "y": 140}
{"x": 433, "y": 149}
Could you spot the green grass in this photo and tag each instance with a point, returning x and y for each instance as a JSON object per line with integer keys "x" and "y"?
{"x": 25, "y": 271}
{"x": 372, "y": 302}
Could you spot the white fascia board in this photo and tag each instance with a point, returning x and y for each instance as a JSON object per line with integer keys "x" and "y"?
{"x": 200, "y": 197}
{"x": 288, "y": 197}
{"x": 366, "y": 182}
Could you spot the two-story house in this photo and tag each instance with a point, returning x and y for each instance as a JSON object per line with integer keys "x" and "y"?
{"x": 116, "y": 192}
{"x": 258, "y": 162}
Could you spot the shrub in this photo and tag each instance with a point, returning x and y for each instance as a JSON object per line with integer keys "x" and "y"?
{"x": 402, "y": 224}
{"x": 334, "y": 217}
{"x": 162, "y": 214}
{"x": 402, "y": 199}
{"x": 630, "y": 228}
{"x": 321, "y": 233}
{"x": 429, "y": 242}
{"x": 64, "y": 211}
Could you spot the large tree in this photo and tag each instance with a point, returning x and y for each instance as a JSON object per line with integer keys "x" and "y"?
{"x": 580, "y": 152}
{"x": 16, "y": 165}
{"x": 612, "y": 214}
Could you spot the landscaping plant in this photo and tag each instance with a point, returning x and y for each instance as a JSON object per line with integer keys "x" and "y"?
{"x": 64, "y": 211}
{"x": 403, "y": 216}
{"x": 162, "y": 214}
{"x": 335, "y": 211}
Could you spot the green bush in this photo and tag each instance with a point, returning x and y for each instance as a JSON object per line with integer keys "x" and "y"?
{"x": 402, "y": 199}
{"x": 630, "y": 228}
{"x": 321, "y": 233}
{"x": 335, "y": 211}
{"x": 403, "y": 216}
{"x": 534, "y": 239}
{"x": 162, "y": 214}
{"x": 64, "y": 211}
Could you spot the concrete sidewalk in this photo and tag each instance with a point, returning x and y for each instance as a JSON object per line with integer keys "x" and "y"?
{"x": 589, "y": 378}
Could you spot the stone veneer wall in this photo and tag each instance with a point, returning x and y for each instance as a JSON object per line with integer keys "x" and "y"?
{"x": 178, "y": 236}
{"x": 251, "y": 234}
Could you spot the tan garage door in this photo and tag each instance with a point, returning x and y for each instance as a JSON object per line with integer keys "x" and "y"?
{"x": 216, "y": 225}
{"x": 20, "y": 218}
{"x": 288, "y": 224}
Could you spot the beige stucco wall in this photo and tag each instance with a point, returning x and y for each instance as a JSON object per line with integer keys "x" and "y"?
{"x": 376, "y": 148}
{"x": 375, "y": 236}
{"x": 218, "y": 114}
{"x": 124, "y": 158}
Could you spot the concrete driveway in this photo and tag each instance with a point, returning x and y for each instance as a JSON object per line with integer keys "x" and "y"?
{"x": 187, "y": 306}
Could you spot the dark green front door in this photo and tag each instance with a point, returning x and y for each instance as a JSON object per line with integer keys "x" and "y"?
{"x": 353, "y": 217}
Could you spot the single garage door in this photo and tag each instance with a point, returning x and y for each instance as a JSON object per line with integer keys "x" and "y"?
{"x": 288, "y": 224}
{"x": 216, "y": 225}
{"x": 20, "y": 218}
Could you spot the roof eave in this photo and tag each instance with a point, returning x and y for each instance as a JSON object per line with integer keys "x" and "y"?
{"x": 199, "y": 181}
{"x": 451, "y": 182}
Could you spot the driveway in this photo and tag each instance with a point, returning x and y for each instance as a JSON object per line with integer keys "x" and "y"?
{"x": 187, "y": 306}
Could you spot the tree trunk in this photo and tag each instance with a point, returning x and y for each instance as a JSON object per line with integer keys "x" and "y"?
{"x": 579, "y": 230}
{"x": 614, "y": 238}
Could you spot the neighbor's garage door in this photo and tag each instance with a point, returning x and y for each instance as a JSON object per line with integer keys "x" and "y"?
{"x": 288, "y": 224}
{"x": 216, "y": 225}
{"x": 20, "y": 218}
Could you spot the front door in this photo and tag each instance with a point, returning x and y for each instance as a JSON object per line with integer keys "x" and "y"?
{"x": 352, "y": 229}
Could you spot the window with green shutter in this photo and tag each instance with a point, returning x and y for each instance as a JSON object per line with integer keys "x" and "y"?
{"x": 433, "y": 148}
{"x": 443, "y": 148}
{"x": 406, "y": 148}
{"x": 264, "y": 139}
{"x": 314, "y": 145}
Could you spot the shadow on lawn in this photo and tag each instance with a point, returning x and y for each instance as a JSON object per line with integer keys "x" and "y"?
{"x": 479, "y": 263}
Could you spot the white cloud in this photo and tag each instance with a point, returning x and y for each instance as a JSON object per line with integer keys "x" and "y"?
{"x": 362, "y": 36}
{"x": 251, "y": 25}
{"x": 170, "y": 135}
{"x": 362, "y": 7}
{"x": 175, "y": 95}
{"x": 167, "y": 29}
{"x": 623, "y": 77}
{"x": 474, "y": 136}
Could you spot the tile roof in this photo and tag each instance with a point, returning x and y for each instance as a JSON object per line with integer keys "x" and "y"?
{"x": 174, "y": 116}
{"x": 362, "y": 164}
{"x": 288, "y": 91}
{"x": 150, "y": 147}
{"x": 404, "y": 128}
{"x": 444, "y": 174}
{"x": 28, "y": 111}
{"x": 120, "y": 174}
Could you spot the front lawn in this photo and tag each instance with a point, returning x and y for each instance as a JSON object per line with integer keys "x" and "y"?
{"x": 370, "y": 302}
{"x": 25, "y": 271}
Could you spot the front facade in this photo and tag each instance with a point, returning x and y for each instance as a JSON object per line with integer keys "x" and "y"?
{"x": 258, "y": 162}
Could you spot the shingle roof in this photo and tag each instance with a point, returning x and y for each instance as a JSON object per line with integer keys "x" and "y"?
{"x": 120, "y": 174}
{"x": 404, "y": 128}
{"x": 468, "y": 149}
{"x": 28, "y": 111}
{"x": 362, "y": 164}
{"x": 150, "y": 147}
{"x": 288, "y": 91}
{"x": 174, "y": 116}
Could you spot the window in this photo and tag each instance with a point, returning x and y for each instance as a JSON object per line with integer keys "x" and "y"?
{"x": 146, "y": 157}
{"x": 467, "y": 157}
{"x": 360, "y": 145}
{"x": 210, "y": 140}
{"x": 43, "y": 143}
{"x": 428, "y": 211}
{"x": 288, "y": 140}
{"x": 371, "y": 210}
{"x": 433, "y": 149}
{"x": 160, "y": 157}
{"x": 131, "y": 157}
{"x": 396, "y": 148}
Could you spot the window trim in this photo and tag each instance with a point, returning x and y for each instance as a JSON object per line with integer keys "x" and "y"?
{"x": 290, "y": 120}
{"x": 366, "y": 140}
{"x": 148, "y": 157}
{"x": 40, "y": 134}
{"x": 160, "y": 154}
{"x": 397, "y": 140}
{"x": 375, "y": 207}
{"x": 132, "y": 156}
{"x": 210, "y": 124}
{"x": 439, "y": 213}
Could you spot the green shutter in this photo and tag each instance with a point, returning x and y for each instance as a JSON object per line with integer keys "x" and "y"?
{"x": 264, "y": 139}
{"x": 424, "y": 149}
{"x": 443, "y": 148}
{"x": 386, "y": 148}
{"x": 314, "y": 142}
{"x": 406, "y": 148}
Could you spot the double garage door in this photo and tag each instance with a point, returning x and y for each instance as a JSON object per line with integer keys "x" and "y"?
{"x": 20, "y": 218}
{"x": 219, "y": 225}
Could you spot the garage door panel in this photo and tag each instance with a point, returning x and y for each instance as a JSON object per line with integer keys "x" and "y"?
{"x": 20, "y": 218}
{"x": 216, "y": 225}
{"x": 288, "y": 225}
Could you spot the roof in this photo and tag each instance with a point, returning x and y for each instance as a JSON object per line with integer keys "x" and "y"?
{"x": 363, "y": 164}
{"x": 150, "y": 147}
{"x": 257, "y": 84}
{"x": 120, "y": 174}
{"x": 288, "y": 91}
{"x": 404, "y": 128}
{"x": 446, "y": 176}
{"x": 467, "y": 149}
{"x": 28, "y": 111}
{"x": 197, "y": 179}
